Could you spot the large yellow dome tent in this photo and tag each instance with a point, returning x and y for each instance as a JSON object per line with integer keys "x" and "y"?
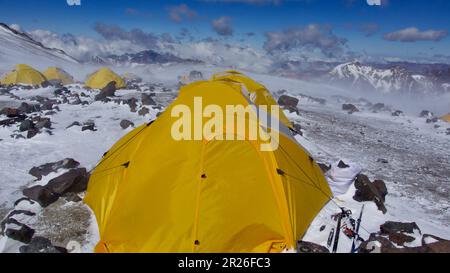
{"x": 151, "y": 193}
{"x": 102, "y": 77}
{"x": 58, "y": 74}
{"x": 23, "y": 74}
{"x": 446, "y": 118}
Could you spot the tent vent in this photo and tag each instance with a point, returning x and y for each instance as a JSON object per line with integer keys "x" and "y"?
{"x": 280, "y": 172}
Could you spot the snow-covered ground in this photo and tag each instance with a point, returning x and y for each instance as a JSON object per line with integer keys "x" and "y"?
{"x": 417, "y": 174}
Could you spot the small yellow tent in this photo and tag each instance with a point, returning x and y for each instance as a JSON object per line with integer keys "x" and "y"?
{"x": 102, "y": 77}
{"x": 446, "y": 117}
{"x": 23, "y": 74}
{"x": 58, "y": 74}
{"x": 255, "y": 91}
{"x": 152, "y": 193}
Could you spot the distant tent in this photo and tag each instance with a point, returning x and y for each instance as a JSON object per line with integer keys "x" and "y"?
{"x": 446, "y": 117}
{"x": 58, "y": 75}
{"x": 152, "y": 193}
{"x": 24, "y": 74}
{"x": 102, "y": 77}
{"x": 256, "y": 92}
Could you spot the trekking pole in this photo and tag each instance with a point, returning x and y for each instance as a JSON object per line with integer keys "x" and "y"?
{"x": 338, "y": 231}
{"x": 358, "y": 224}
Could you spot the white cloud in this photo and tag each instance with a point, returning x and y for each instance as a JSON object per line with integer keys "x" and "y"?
{"x": 413, "y": 34}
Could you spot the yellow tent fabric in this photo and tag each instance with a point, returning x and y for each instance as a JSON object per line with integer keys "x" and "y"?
{"x": 102, "y": 77}
{"x": 56, "y": 73}
{"x": 446, "y": 118}
{"x": 23, "y": 74}
{"x": 256, "y": 92}
{"x": 151, "y": 193}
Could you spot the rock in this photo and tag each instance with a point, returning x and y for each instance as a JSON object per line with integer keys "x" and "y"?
{"x": 11, "y": 121}
{"x": 397, "y": 113}
{"x": 382, "y": 189}
{"x": 132, "y": 102}
{"x": 44, "y": 123}
{"x": 60, "y": 91}
{"x": 375, "y": 244}
{"x": 325, "y": 168}
{"x": 76, "y": 101}
{"x": 41, "y": 194}
{"x": 147, "y": 100}
{"x": 11, "y": 112}
{"x": 32, "y": 132}
{"x": 107, "y": 91}
{"x": 10, "y": 215}
{"x": 50, "y": 113}
{"x": 289, "y": 101}
{"x": 426, "y": 114}
{"x": 88, "y": 126}
{"x": 350, "y": 108}
{"x": 400, "y": 238}
{"x": 75, "y": 123}
{"x": 143, "y": 111}
{"x": 72, "y": 197}
{"x": 377, "y": 107}
{"x": 45, "y": 169}
{"x": 432, "y": 120}
{"x": 308, "y": 247}
{"x": 41, "y": 245}
{"x": 20, "y": 232}
{"x": 75, "y": 180}
{"x": 297, "y": 129}
{"x": 367, "y": 191}
{"x": 391, "y": 227}
{"x": 126, "y": 123}
{"x": 26, "y": 125}
{"x": 17, "y": 136}
{"x": 27, "y": 108}
{"x": 382, "y": 160}
{"x": 48, "y": 105}
{"x": 342, "y": 165}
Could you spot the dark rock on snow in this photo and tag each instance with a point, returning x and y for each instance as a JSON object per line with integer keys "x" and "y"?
{"x": 20, "y": 232}
{"x": 126, "y": 123}
{"x": 89, "y": 126}
{"x": 45, "y": 169}
{"x": 342, "y": 165}
{"x": 147, "y": 100}
{"x": 368, "y": 191}
{"x": 426, "y": 114}
{"x": 391, "y": 227}
{"x": 75, "y": 123}
{"x": 144, "y": 111}
{"x": 350, "y": 108}
{"x": 286, "y": 100}
{"x": 32, "y": 132}
{"x": 41, "y": 195}
{"x": 107, "y": 91}
{"x": 26, "y": 125}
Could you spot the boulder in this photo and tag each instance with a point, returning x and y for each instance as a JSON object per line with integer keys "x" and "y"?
{"x": 45, "y": 169}
{"x": 375, "y": 244}
{"x": 426, "y": 114}
{"x": 126, "y": 123}
{"x": 325, "y": 168}
{"x": 400, "y": 238}
{"x": 75, "y": 180}
{"x": 43, "y": 123}
{"x": 377, "y": 107}
{"x": 41, "y": 245}
{"x": 391, "y": 227}
{"x": 132, "y": 102}
{"x": 19, "y": 232}
{"x": 368, "y": 191}
{"x": 72, "y": 197}
{"x": 89, "y": 126}
{"x": 432, "y": 120}
{"x": 147, "y": 100}
{"x": 397, "y": 113}
{"x": 26, "y": 125}
{"x": 75, "y": 123}
{"x": 342, "y": 165}
{"x": 350, "y": 108}
{"x": 286, "y": 100}
{"x": 143, "y": 111}
{"x": 32, "y": 132}
{"x": 41, "y": 194}
{"x": 29, "y": 108}
{"x": 108, "y": 91}
{"x": 308, "y": 247}
{"x": 11, "y": 112}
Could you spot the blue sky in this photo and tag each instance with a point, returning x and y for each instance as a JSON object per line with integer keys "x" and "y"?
{"x": 347, "y": 18}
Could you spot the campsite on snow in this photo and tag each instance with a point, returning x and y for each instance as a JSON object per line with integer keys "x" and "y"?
{"x": 88, "y": 164}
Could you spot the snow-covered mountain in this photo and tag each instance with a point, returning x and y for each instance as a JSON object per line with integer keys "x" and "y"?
{"x": 18, "y": 47}
{"x": 385, "y": 80}
{"x": 143, "y": 58}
